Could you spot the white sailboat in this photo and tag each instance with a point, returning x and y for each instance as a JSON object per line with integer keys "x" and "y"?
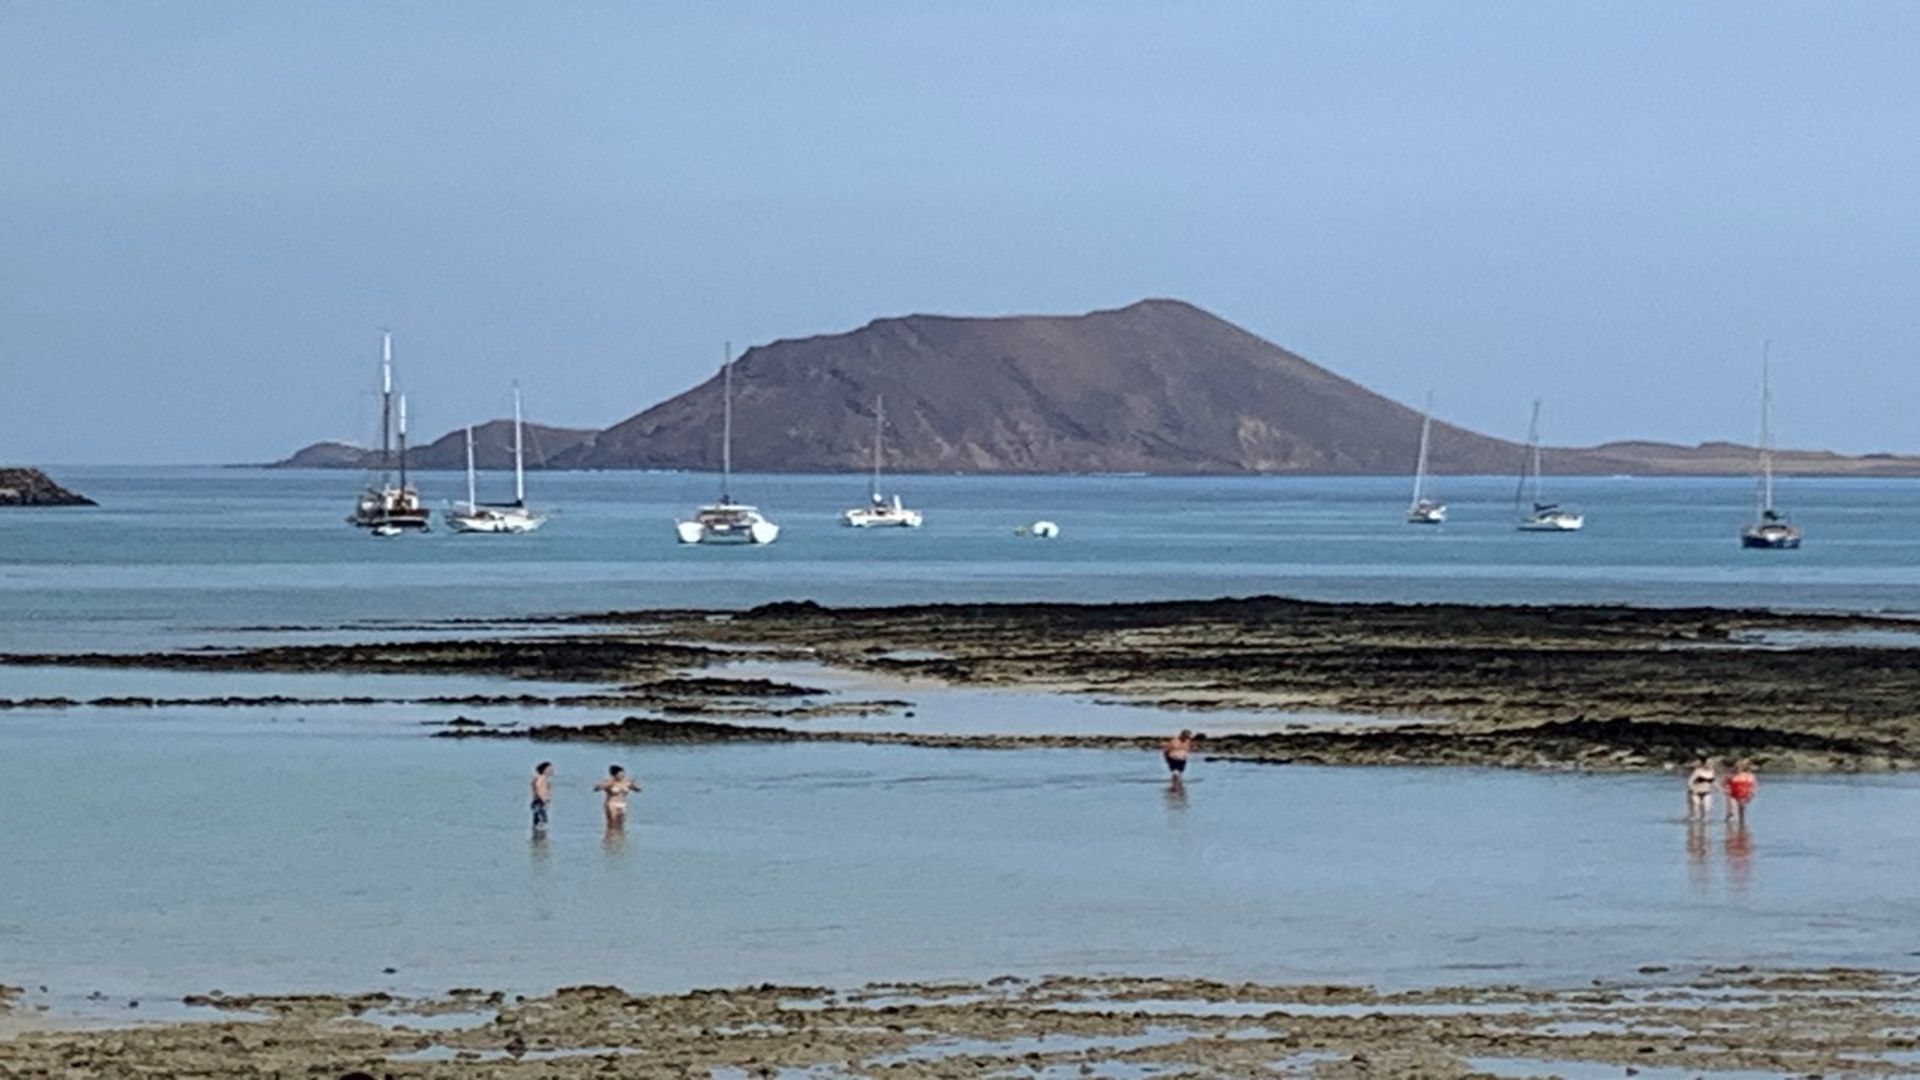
{"x": 1424, "y": 510}
{"x": 388, "y": 507}
{"x": 499, "y": 518}
{"x": 1770, "y": 528}
{"x": 1543, "y": 516}
{"x": 880, "y": 512}
{"x": 726, "y": 521}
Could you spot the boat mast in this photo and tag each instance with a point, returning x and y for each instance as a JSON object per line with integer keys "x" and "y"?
{"x": 726, "y": 425}
{"x": 403, "y": 442}
{"x": 1533, "y": 450}
{"x": 1420, "y": 469}
{"x": 1766, "y": 429}
{"x": 519, "y": 470}
{"x": 386, "y": 404}
{"x": 879, "y": 426}
{"x": 473, "y": 499}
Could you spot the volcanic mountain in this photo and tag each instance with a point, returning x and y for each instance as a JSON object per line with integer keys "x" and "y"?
{"x": 1158, "y": 386}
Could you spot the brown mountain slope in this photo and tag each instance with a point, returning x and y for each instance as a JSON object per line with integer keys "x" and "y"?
{"x": 1158, "y": 386}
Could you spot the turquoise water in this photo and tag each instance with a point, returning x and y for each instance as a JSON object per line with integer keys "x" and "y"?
{"x": 185, "y": 555}
{"x": 226, "y": 851}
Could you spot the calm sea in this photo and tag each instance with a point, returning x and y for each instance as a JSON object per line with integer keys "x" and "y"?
{"x": 185, "y": 554}
{"x": 154, "y": 852}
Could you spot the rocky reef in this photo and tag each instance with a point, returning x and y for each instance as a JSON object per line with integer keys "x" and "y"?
{"x": 31, "y": 487}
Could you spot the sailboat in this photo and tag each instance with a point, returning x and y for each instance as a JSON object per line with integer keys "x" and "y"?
{"x": 726, "y": 521}
{"x": 1770, "y": 528}
{"x": 1544, "y": 516}
{"x": 1424, "y": 510}
{"x": 880, "y": 512}
{"x": 386, "y": 507}
{"x": 513, "y": 517}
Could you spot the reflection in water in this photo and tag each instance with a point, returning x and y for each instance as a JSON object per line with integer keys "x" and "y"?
{"x": 1697, "y": 852}
{"x": 614, "y": 841}
{"x": 1739, "y": 848}
{"x": 1175, "y": 795}
{"x": 539, "y": 850}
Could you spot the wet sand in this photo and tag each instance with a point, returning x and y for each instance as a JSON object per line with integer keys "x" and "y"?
{"x": 1532, "y": 687}
{"x": 1728, "y": 1022}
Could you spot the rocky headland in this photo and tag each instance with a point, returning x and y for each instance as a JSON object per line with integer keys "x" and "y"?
{"x": 31, "y": 487}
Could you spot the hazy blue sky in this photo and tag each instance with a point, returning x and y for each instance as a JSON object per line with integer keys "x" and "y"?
{"x": 207, "y": 210}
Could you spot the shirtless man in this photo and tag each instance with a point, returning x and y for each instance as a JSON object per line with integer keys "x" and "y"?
{"x": 616, "y": 786}
{"x": 1176, "y": 751}
{"x": 542, "y": 792}
{"x": 1700, "y": 784}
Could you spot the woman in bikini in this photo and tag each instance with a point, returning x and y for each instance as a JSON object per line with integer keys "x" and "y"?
{"x": 617, "y": 787}
{"x": 1700, "y": 789}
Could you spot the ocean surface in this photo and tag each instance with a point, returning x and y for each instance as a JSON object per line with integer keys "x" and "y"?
{"x": 181, "y": 555}
{"x": 151, "y": 852}
{"x": 246, "y": 850}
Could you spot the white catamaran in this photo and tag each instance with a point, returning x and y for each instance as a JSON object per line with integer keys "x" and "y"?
{"x": 1425, "y": 510}
{"x": 726, "y": 522}
{"x": 1543, "y": 516}
{"x": 1770, "y": 528}
{"x": 388, "y": 507}
{"x": 513, "y": 517}
{"x": 880, "y": 512}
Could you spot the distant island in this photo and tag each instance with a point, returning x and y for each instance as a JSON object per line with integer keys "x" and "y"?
{"x": 31, "y": 487}
{"x": 1158, "y": 386}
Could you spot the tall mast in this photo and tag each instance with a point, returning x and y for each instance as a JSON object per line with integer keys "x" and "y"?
{"x": 473, "y": 499}
{"x": 1766, "y": 428}
{"x": 386, "y": 403}
{"x": 1426, "y": 433}
{"x": 879, "y": 426}
{"x": 726, "y": 425}
{"x": 403, "y": 442}
{"x": 1533, "y": 440}
{"x": 519, "y": 470}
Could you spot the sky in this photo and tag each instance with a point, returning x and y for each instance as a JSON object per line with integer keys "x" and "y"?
{"x": 208, "y": 210}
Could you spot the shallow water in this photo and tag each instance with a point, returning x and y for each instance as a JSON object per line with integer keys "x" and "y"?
{"x": 219, "y": 851}
{"x": 147, "y": 569}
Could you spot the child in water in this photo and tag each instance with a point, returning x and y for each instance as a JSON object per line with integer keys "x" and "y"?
{"x": 1740, "y": 787}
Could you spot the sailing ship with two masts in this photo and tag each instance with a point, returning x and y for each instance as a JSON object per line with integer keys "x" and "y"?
{"x": 880, "y": 511}
{"x": 498, "y": 518}
{"x": 1770, "y": 528}
{"x": 390, "y": 505}
{"x": 1424, "y": 509}
{"x": 726, "y": 521}
{"x": 1531, "y": 512}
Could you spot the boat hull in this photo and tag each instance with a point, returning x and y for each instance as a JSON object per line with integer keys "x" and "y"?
{"x": 495, "y": 523}
{"x": 730, "y": 525}
{"x": 1427, "y": 515}
{"x": 1553, "y": 523}
{"x": 1770, "y": 539}
{"x": 863, "y": 518}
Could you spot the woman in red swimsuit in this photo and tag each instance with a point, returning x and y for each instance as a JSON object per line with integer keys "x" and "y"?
{"x": 1740, "y": 788}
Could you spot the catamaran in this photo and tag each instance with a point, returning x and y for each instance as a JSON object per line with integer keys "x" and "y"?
{"x": 1770, "y": 528}
{"x": 1424, "y": 510}
{"x": 1544, "y": 516}
{"x": 726, "y": 521}
{"x": 513, "y": 517}
{"x": 389, "y": 508}
{"x": 880, "y": 512}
